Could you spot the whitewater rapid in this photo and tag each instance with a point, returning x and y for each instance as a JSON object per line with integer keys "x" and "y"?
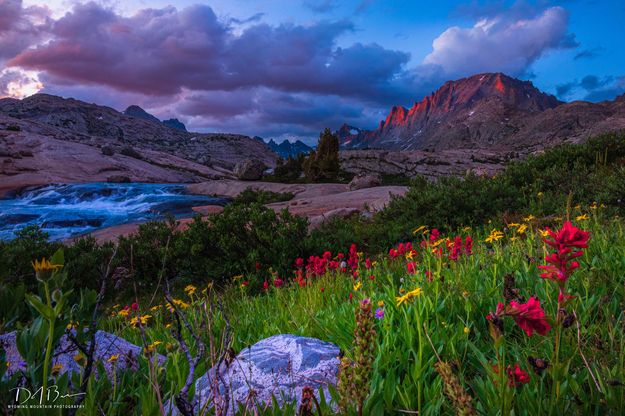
{"x": 69, "y": 210}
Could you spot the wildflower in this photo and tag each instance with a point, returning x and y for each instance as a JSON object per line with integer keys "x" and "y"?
{"x": 143, "y": 319}
{"x": 357, "y": 286}
{"x": 514, "y": 225}
{"x": 418, "y": 230}
{"x": 409, "y": 295}
{"x": 44, "y": 269}
{"x": 494, "y": 235}
{"x": 258, "y": 265}
{"x": 277, "y": 282}
{"x": 529, "y": 316}
{"x": 265, "y": 286}
{"x": 594, "y": 205}
{"x": 237, "y": 277}
{"x": 368, "y": 263}
{"x": 381, "y": 303}
{"x": 155, "y": 308}
{"x": 72, "y": 325}
{"x": 190, "y": 290}
{"x": 299, "y": 262}
{"x": 56, "y": 369}
{"x": 540, "y": 194}
{"x": 169, "y": 346}
{"x": 538, "y": 364}
{"x": 80, "y": 359}
{"x": 124, "y": 312}
{"x": 372, "y": 277}
{"x": 245, "y": 284}
{"x": 467, "y": 330}
{"x": 568, "y": 242}
{"x": 466, "y": 229}
{"x": 583, "y": 217}
{"x": 412, "y": 267}
{"x": 323, "y": 289}
{"x": 517, "y": 377}
{"x": 379, "y": 313}
{"x": 454, "y": 391}
{"x": 351, "y": 296}
{"x": 409, "y": 255}
{"x": 529, "y": 218}
{"x": 522, "y": 228}
{"x": 134, "y": 306}
{"x": 113, "y": 358}
{"x": 544, "y": 233}
{"x": 151, "y": 347}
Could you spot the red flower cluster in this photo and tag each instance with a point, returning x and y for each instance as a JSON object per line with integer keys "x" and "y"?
{"x": 528, "y": 316}
{"x": 517, "y": 377}
{"x": 401, "y": 250}
{"x": 569, "y": 243}
{"x": 457, "y": 247}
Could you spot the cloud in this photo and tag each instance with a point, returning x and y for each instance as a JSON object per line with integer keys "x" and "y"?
{"x": 20, "y": 27}
{"x": 588, "y": 53}
{"x": 503, "y": 43}
{"x": 320, "y": 6}
{"x": 592, "y": 88}
{"x": 164, "y": 51}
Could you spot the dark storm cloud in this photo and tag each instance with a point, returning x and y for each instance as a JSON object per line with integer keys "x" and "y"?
{"x": 162, "y": 52}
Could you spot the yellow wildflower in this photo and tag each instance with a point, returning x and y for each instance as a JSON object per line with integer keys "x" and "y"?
{"x": 467, "y": 329}
{"x": 144, "y": 320}
{"x": 360, "y": 254}
{"x": 374, "y": 263}
{"x": 113, "y": 358}
{"x": 465, "y": 294}
{"x": 529, "y": 218}
{"x": 412, "y": 294}
{"x": 381, "y": 303}
{"x": 169, "y": 346}
{"x": 155, "y": 308}
{"x": 167, "y": 326}
{"x": 44, "y": 268}
{"x": 582, "y": 217}
{"x": 190, "y": 290}
{"x": 544, "y": 233}
{"x": 237, "y": 277}
{"x": 409, "y": 255}
{"x": 116, "y": 306}
{"x": 522, "y": 228}
{"x": 418, "y": 230}
{"x": 150, "y": 348}
{"x": 124, "y": 312}
{"x": 594, "y": 205}
{"x": 56, "y": 369}
{"x": 466, "y": 229}
{"x": 540, "y": 194}
{"x": 71, "y": 325}
{"x": 357, "y": 286}
{"x": 514, "y": 225}
{"x": 80, "y": 359}
{"x": 578, "y": 206}
{"x": 495, "y": 235}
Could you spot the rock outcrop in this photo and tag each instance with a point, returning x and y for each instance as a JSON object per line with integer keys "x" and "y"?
{"x": 106, "y": 345}
{"x": 277, "y": 367}
{"x": 363, "y": 181}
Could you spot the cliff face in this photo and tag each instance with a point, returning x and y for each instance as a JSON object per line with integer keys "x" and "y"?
{"x": 484, "y": 111}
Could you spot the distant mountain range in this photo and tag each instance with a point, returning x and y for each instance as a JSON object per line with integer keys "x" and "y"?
{"x": 286, "y": 148}
{"x": 138, "y": 112}
{"x": 488, "y": 111}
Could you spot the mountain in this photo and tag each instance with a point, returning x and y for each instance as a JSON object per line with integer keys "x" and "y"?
{"x": 174, "y": 123}
{"x": 492, "y": 111}
{"x": 138, "y": 112}
{"x": 287, "y": 148}
{"x": 81, "y": 140}
{"x": 347, "y": 134}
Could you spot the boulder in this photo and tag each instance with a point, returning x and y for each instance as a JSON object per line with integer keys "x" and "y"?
{"x": 107, "y": 150}
{"x": 106, "y": 343}
{"x": 279, "y": 366}
{"x": 365, "y": 181}
{"x": 318, "y": 220}
{"x": 249, "y": 170}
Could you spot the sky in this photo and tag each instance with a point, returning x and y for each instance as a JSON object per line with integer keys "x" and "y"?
{"x": 286, "y": 69}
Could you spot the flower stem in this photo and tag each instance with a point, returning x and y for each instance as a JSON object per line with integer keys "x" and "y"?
{"x": 46, "y": 361}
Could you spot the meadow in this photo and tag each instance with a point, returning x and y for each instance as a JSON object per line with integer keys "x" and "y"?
{"x": 494, "y": 312}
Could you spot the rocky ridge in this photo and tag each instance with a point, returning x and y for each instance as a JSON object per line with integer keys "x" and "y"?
{"x": 488, "y": 111}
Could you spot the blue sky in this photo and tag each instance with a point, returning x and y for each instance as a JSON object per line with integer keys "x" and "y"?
{"x": 287, "y": 69}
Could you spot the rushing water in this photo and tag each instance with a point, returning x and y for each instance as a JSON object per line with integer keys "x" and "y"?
{"x": 68, "y": 210}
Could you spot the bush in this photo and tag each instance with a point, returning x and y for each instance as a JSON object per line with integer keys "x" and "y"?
{"x": 260, "y": 196}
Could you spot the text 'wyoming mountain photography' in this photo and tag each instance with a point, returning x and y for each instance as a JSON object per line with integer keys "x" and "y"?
{"x": 312, "y": 207}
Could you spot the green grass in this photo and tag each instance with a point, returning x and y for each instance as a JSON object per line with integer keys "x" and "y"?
{"x": 452, "y": 309}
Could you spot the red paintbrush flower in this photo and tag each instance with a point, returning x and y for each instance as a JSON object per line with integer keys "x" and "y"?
{"x": 569, "y": 242}
{"x": 529, "y": 316}
{"x": 517, "y": 377}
